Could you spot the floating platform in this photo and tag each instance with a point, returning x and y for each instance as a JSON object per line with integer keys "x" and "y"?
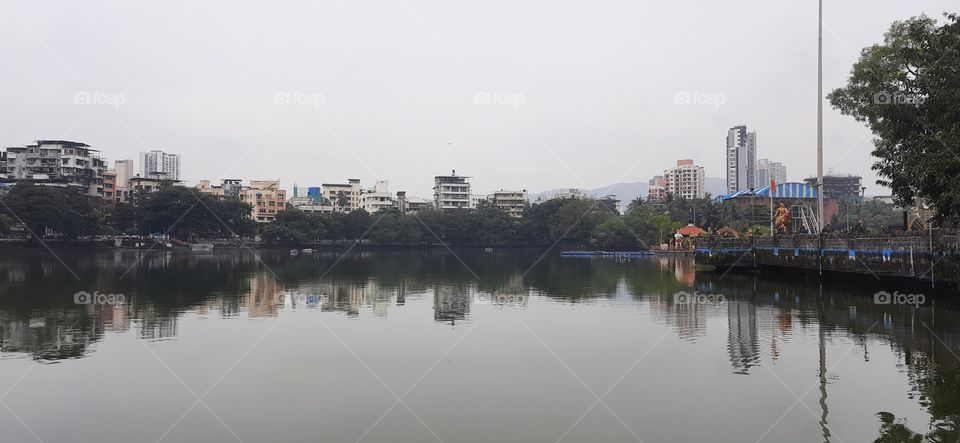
{"x": 606, "y": 254}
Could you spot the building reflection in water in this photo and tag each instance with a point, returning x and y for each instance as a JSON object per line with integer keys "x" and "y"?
{"x": 759, "y": 314}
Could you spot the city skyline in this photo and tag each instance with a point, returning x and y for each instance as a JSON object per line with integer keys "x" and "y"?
{"x": 275, "y": 104}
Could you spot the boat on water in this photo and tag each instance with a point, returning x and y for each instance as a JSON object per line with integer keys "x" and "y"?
{"x": 307, "y": 251}
{"x": 294, "y": 252}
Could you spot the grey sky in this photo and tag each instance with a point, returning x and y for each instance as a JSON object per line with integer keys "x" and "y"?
{"x": 380, "y": 89}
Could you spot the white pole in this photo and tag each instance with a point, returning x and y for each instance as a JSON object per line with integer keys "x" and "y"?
{"x": 822, "y": 222}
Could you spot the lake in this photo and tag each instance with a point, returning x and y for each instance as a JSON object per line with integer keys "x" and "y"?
{"x": 459, "y": 346}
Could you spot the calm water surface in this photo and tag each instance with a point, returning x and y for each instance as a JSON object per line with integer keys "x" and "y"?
{"x": 419, "y": 347}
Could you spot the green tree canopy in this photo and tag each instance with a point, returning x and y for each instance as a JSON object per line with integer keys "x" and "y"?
{"x": 907, "y": 91}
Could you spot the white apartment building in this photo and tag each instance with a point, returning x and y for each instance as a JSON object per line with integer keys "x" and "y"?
{"x": 344, "y": 197}
{"x": 741, "y": 159}
{"x": 478, "y": 199}
{"x": 157, "y": 161}
{"x": 58, "y": 162}
{"x": 451, "y": 191}
{"x": 513, "y": 202}
{"x": 377, "y": 198}
{"x": 768, "y": 170}
{"x": 124, "y": 170}
{"x": 686, "y": 180}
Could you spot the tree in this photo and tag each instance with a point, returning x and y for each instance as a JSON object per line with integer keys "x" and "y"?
{"x": 185, "y": 212}
{"x": 123, "y": 218}
{"x": 5, "y": 222}
{"x": 63, "y": 210}
{"x": 907, "y": 91}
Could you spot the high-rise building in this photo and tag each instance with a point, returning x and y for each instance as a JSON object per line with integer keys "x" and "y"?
{"x": 686, "y": 180}
{"x": 154, "y": 162}
{"x": 124, "y": 170}
{"x": 3, "y": 165}
{"x": 768, "y": 170}
{"x": 451, "y": 191}
{"x": 741, "y": 159}
{"x": 58, "y": 161}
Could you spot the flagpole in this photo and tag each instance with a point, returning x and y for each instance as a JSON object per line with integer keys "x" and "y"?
{"x": 771, "y": 206}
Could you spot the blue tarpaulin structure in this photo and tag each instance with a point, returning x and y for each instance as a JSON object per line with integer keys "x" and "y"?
{"x": 784, "y": 190}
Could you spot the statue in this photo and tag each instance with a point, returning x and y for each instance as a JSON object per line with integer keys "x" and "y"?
{"x": 782, "y": 219}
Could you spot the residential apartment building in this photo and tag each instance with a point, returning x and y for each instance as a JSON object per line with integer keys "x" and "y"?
{"x": 58, "y": 162}
{"x": 657, "y": 189}
{"x": 267, "y": 199}
{"x": 140, "y": 186}
{"x": 478, "y": 199}
{"x": 344, "y": 197}
{"x": 110, "y": 195}
{"x": 451, "y": 191}
{"x": 3, "y": 165}
{"x": 412, "y": 204}
{"x": 768, "y": 170}
{"x": 228, "y": 188}
{"x": 840, "y": 187}
{"x": 159, "y": 161}
{"x": 741, "y": 161}
{"x": 377, "y": 198}
{"x": 686, "y": 180}
{"x": 124, "y": 169}
{"x": 512, "y": 202}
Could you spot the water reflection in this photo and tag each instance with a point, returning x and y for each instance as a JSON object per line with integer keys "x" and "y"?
{"x": 38, "y": 317}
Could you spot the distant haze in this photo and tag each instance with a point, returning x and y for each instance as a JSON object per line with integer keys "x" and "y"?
{"x": 518, "y": 95}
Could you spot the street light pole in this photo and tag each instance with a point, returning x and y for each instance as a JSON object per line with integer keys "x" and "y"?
{"x": 822, "y": 221}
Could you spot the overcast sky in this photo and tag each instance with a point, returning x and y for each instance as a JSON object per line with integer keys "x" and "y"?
{"x": 520, "y": 95}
